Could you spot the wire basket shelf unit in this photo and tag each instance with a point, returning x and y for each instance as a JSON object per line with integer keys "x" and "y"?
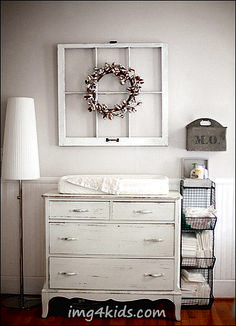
{"x": 200, "y": 195}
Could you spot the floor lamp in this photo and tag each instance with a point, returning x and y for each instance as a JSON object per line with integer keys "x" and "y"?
{"x": 20, "y": 162}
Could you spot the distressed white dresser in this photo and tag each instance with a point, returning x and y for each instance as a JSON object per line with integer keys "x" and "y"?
{"x": 101, "y": 247}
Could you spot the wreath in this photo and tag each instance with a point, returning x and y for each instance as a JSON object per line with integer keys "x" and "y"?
{"x": 124, "y": 76}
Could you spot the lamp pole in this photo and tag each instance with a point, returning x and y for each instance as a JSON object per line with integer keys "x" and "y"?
{"x": 19, "y": 197}
{"x": 21, "y": 302}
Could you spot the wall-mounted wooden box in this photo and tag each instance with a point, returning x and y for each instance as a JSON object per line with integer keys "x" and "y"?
{"x": 205, "y": 135}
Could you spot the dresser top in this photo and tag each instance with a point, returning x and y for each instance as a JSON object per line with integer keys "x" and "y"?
{"x": 172, "y": 195}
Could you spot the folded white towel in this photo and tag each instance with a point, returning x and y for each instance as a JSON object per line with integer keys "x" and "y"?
{"x": 189, "y": 244}
{"x": 200, "y": 212}
{"x": 192, "y": 276}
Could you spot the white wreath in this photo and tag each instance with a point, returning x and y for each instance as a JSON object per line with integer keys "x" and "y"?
{"x": 124, "y": 75}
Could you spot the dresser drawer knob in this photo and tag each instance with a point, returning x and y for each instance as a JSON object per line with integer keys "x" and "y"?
{"x": 154, "y": 275}
{"x": 68, "y": 239}
{"x": 142, "y": 211}
{"x": 67, "y": 273}
{"x": 80, "y": 210}
{"x": 154, "y": 240}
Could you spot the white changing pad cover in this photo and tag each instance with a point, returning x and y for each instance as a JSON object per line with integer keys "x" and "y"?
{"x": 114, "y": 184}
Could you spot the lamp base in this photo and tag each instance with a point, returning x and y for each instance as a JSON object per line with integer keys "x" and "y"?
{"x": 21, "y": 303}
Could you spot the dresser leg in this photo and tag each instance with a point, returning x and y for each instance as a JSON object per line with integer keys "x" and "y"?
{"x": 44, "y": 305}
{"x": 178, "y": 309}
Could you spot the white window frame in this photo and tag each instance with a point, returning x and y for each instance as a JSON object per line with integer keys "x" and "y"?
{"x": 65, "y": 140}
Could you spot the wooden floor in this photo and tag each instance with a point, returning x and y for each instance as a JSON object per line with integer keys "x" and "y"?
{"x": 222, "y": 312}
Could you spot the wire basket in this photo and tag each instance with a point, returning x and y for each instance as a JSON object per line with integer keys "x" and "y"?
{"x": 198, "y": 223}
{"x": 197, "y": 303}
{"x": 197, "y": 196}
{"x": 194, "y": 262}
{"x": 188, "y": 301}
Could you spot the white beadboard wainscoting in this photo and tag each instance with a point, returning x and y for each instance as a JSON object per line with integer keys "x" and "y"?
{"x": 224, "y": 272}
{"x": 34, "y": 249}
{"x": 33, "y": 233}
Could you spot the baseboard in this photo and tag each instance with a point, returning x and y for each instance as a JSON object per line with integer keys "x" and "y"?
{"x": 224, "y": 288}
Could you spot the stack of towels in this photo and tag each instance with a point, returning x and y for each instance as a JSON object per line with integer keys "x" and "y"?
{"x": 194, "y": 285}
{"x": 197, "y": 245}
{"x": 198, "y": 217}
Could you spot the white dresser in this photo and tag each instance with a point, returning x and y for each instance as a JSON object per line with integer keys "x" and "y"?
{"x": 101, "y": 247}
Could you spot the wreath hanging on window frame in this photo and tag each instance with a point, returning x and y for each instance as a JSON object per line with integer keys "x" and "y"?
{"x": 124, "y": 75}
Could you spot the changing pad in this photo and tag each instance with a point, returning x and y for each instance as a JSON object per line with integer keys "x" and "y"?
{"x": 114, "y": 184}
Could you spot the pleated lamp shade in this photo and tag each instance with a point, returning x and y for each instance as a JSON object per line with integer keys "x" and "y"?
{"x": 20, "y": 148}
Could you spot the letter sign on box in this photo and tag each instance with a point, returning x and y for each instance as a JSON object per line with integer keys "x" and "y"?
{"x": 205, "y": 135}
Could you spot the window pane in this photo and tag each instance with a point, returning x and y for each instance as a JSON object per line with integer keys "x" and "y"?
{"x": 117, "y": 127}
{"x": 111, "y": 83}
{"x": 119, "y": 56}
{"x": 146, "y": 122}
{"x": 79, "y": 64}
{"x": 147, "y": 65}
{"x": 79, "y": 121}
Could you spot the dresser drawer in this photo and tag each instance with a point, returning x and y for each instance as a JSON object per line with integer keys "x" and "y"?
{"x": 79, "y": 209}
{"x": 143, "y": 211}
{"x": 142, "y": 240}
{"x": 112, "y": 274}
